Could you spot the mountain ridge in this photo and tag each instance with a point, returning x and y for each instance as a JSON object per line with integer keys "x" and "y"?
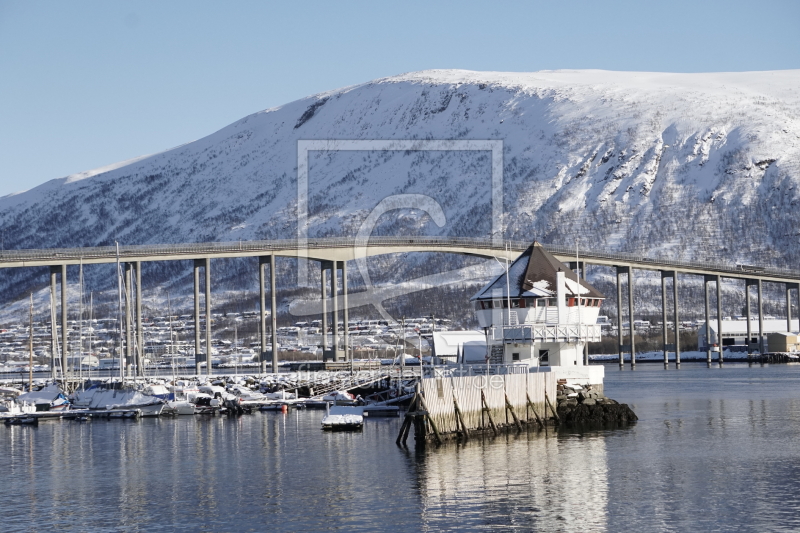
{"x": 691, "y": 166}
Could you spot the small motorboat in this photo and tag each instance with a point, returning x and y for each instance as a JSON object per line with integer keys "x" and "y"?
{"x": 343, "y": 418}
{"x": 22, "y": 421}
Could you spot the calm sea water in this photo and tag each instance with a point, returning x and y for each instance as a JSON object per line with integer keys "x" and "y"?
{"x": 714, "y": 450}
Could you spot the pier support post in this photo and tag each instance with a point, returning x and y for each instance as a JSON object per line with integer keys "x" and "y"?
{"x": 620, "y": 270}
{"x": 760, "y": 320}
{"x": 208, "y": 314}
{"x": 64, "y": 325}
{"x": 273, "y": 311}
{"x": 262, "y": 309}
{"x": 54, "y": 270}
{"x": 664, "y": 318}
{"x": 196, "y": 271}
{"x": 719, "y": 318}
{"x": 706, "y": 280}
{"x": 345, "y": 316}
{"x": 128, "y": 315}
{"x": 676, "y": 320}
{"x": 139, "y": 329}
{"x": 630, "y": 317}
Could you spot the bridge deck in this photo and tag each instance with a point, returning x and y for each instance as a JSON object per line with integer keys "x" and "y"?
{"x": 344, "y": 249}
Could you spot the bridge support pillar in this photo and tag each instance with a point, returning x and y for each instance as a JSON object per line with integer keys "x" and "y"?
{"x": 196, "y": 271}
{"x": 630, "y": 317}
{"x": 54, "y": 270}
{"x": 620, "y": 271}
{"x": 719, "y": 319}
{"x": 207, "y": 268}
{"x": 664, "y": 318}
{"x": 748, "y": 314}
{"x": 706, "y": 281}
{"x": 128, "y": 317}
{"x": 262, "y": 311}
{"x": 334, "y": 352}
{"x": 273, "y": 311}
{"x": 348, "y": 356}
{"x": 64, "y": 326}
{"x": 760, "y": 319}
{"x": 139, "y": 329}
{"x": 789, "y": 307}
{"x": 676, "y": 319}
{"x": 324, "y": 275}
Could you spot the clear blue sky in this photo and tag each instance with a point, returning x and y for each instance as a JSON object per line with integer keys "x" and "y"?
{"x": 88, "y": 83}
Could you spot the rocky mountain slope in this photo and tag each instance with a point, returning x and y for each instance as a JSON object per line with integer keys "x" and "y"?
{"x": 690, "y": 166}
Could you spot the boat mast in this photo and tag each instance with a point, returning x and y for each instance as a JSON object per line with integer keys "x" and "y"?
{"x": 171, "y": 337}
{"x": 80, "y": 324}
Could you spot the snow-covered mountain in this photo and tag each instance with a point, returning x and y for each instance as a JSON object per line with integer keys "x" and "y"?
{"x": 690, "y": 166}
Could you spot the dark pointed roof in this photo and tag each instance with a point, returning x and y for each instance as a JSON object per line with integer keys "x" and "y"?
{"x": 533, "y": 274}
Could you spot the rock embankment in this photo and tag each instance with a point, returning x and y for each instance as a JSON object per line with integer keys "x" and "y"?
{"x": 579, "y": 405}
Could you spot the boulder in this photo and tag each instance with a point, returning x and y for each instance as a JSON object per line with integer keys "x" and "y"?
{"x": 597, "y": 414}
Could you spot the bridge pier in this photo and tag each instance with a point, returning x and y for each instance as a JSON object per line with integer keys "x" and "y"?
{"x": 262, "y": 312}
{"x": 54, "y": 270}
{"x": 747, "y": 284}
{"x": 630, "y": 317}
{"x": 345, "y": 312}
{"x": 580, "y": 268}
{"x": 760, "y": 320}
{"x": 719, "y": 318}
{"x": 664, "y": 318}
{"x": 324, "y": 276}
{"x": 333, "y": 353}
{"x": 207, "y": 267}
{"x": 706, "y": 281}
{"x": 620, "y": 271}
{"x": 128, "y": 321}
{"x": 196, "y": 271}
{"x": 273, "y": 313}
{"x": 676, "y": 320}
{"x": 139, "y": 326}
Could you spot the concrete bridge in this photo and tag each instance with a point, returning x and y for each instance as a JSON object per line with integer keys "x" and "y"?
{"x": 333, "y": 254}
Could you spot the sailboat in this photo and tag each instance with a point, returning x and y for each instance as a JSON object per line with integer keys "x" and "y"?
{"x": 119, "y": 396}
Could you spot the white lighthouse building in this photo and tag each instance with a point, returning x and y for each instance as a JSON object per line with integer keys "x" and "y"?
{"x": 541, "y": 315}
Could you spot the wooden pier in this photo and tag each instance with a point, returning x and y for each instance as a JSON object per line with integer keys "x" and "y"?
{"x": 455, "y": 407}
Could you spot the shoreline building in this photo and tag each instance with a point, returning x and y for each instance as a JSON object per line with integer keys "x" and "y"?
{"x": 734, "y": 334}
{"x": 540, "y": 314}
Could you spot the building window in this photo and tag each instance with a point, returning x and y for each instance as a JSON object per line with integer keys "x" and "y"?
{"x": 515, "y": 357}
{"x": 515, "y": 304}
{"x": 541, "y": 302}
{"x": 544, "y": 357}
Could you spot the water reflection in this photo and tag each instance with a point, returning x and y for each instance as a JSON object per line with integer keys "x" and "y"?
{"x": 528, "y": 481}
{"x": 715, "y": 449}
